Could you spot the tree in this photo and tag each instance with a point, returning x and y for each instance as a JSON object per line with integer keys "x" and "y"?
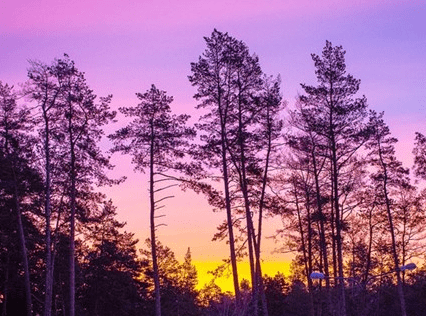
{"x": 211, "y": 74}
{"x": 157, "y": 141}
{"x": 71, "y": 131}
{"x": 339, "y": 120}
{"x": 389, "y": 178}
{"x": 20, "y": 182}
{"x": 188, "y": 280}
{"x": 276, "y": 289}
{"x": 269, "y": 131}
{"x": 111, "y": 269}
{"x": 242, "y": 105}
{"x": 43, "y": 88}
{"x": 81, "y": 128}
{"x": 307, "y": 147}
{"x": 177, "y": 281}
{"x": 409, "y": 222}
{"x": 245, "y": 85}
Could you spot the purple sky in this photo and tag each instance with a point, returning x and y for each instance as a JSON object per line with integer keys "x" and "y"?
{"x": 125, "y": 46}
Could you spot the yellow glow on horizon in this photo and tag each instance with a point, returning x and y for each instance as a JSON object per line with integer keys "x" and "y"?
{"x": 270, "y": 268}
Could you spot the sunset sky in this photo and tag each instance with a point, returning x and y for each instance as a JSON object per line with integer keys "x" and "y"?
{"x": 125, "y": 46}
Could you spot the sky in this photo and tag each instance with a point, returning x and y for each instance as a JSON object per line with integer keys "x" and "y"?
{"x": 125, "y": 46}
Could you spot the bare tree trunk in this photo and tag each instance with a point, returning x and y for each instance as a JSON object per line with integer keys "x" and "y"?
{"x": 250, "y": 229}
{"x": 152, "y": 226}
{"x": 261, "y": 287}
{"x": 258, "y": 262}
{"x": 342, "y": 300}
{"x": 230, "y": 226}
{"x": 72, "y": 233}
{"x": 47, "y": 214}
{"x": 307, "y": 256}
{"x": 259, "y": 227}
{"x": 310, "y": 285}
{"x": 223, "y": 117}
{"x": 24, "y": 257}
{"x": 403, "y": 250}
{"x": 392, "y": 232}
{"x": 73, "y": 198}
{"x": 323, "y": 243}
{"x": 333, "y": 227}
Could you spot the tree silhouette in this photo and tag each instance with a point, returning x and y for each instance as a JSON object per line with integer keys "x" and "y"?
{"x": 211, "y": 74}
{"x": 333, "y": 114}
{"x": 177, "y": 281}
{"x": 71, "y": 130}
{"x": 43, "y": 88}
{"x": 20, "y": 182}
{"x": 389, "y": 176}
{"x": 242, "y": 105}
{"x": 158, "y": 141}
{"x": 111, "y": 268}
{"x": 81, "y": 128}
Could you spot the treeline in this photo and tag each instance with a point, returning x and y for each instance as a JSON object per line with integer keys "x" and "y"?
{"x": 326, "y": 167}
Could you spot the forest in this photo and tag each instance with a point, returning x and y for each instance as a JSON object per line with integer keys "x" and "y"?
{"x": 326, "y": 167}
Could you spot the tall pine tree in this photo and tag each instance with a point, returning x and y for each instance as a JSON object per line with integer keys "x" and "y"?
{"x": 157, "y": 141}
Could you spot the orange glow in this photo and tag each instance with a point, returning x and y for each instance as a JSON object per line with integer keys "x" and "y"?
{"x": 270, "y": 268}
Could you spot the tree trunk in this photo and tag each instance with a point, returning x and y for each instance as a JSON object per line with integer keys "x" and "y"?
{"x": 250, "y": 227}
{"x": 47, "y": 214}
{"x": 392, "y": 232}
{"x": 72, "y": 233}
{"x": 323, "y": 243}
{"x": 222, "y": 117}
{"x": 259, "y": 226}
{"x": 73, "y": 198}
{"x": 306, "y": 252}
{"x": 333, "y": 227}
{"x": 152, "y": 226}
{"x": 24, "y": 256}
{"x": 230, "y": 226}
{"x": 342, "y": 299}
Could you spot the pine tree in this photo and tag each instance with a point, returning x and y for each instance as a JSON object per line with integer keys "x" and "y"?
{"x": 339, "y": 120}
{"x": 20, "y": 182}
{"x": 212, "y": 76}
{"x": 237, "y": 129}
{"x": 81, "y": 128}
{"x": 158, "y": 141}
{"x": 389, "y": 176}
{"x": 111, "y": 268}
{"x": 71, "y": 129}
{"x": 43, "y": 88}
